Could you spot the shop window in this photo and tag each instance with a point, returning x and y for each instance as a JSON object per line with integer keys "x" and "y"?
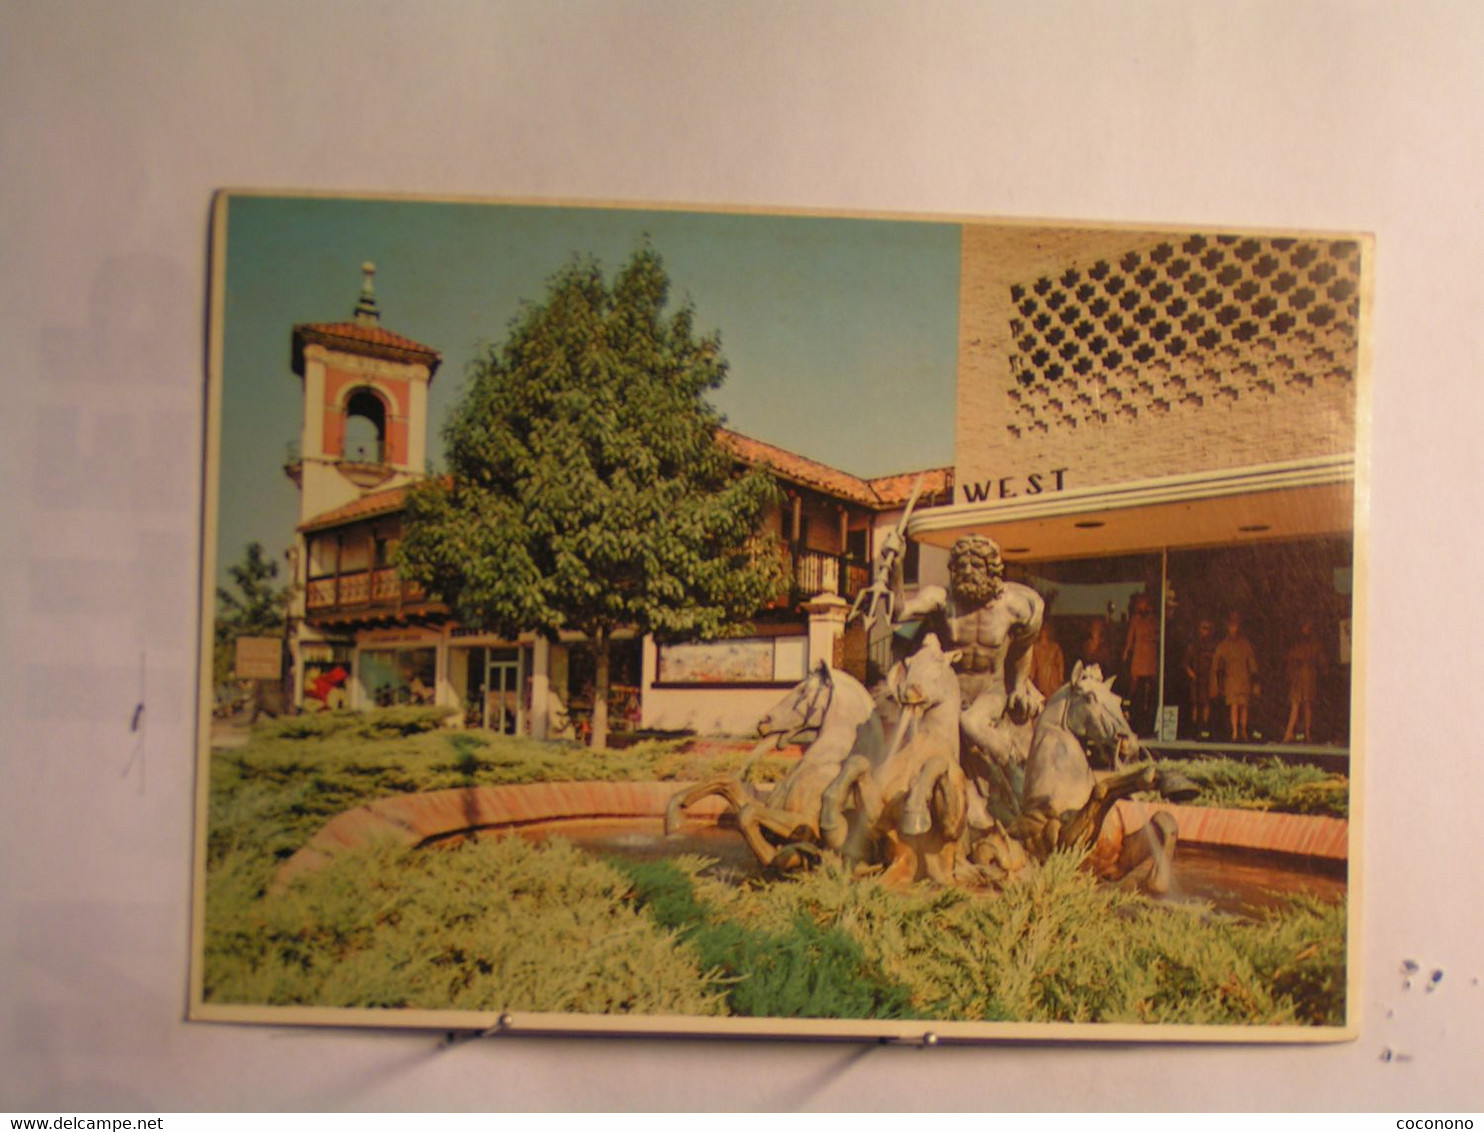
{"x": 625, "y": 669}
{"x": 1292, "y": 607}
{"x": 389, "y": 677}
{"x": 1105, "y": 611}
{"x": 1275, "y": 590}
{"x": 327, "y": 668}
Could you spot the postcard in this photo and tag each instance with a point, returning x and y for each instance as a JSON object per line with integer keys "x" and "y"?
{"x": 635, "y": 619}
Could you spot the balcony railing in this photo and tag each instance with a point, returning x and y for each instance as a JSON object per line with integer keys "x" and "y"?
{"x": 364, "y": 589}
{"x": 815, "y": 572}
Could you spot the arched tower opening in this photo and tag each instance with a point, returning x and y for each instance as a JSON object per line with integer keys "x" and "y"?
{"x": 365, "y": 427}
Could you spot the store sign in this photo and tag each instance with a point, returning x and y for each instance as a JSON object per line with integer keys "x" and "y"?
{"x": 259, "y": 658}
{"x": 1169, "y": 724}
{"x": 1012, "y": 487}
{"x": 396, "y": 636}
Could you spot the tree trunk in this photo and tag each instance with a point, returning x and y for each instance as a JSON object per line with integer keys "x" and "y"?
{"x": 600, "y": 690}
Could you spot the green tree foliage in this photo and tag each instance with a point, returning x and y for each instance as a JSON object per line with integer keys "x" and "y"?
{"x": 254, "y": 607}
{"x": 587, "y": 490}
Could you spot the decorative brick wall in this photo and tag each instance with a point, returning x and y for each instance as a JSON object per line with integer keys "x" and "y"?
{"x": 1124, "y": 355}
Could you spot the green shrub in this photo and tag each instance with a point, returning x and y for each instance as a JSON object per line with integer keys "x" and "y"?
{"x": 1057, "y": 946}
{"x": 1267, "y": 785}
{"x": 805, "y": 970}
{"x": 1302, "y": 956}
{"x": 316, "y": 725}
{"x": 406, "y": 720}
{"x": 497, "y": 924}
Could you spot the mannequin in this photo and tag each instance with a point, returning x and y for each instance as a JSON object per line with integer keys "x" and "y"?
{"x": 1097, "y": 649}
{"x": 1048, "y": 662}
{"x": 1141, "y": 656}
{"x": 1200, "y": 656}
{"x": 1305, "y": 663}
{"x": 1234, "y": 675}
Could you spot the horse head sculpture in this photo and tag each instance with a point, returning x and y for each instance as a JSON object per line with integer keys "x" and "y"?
{"x": 923, "y": 683}
{"x": 1093, "y": 712}
{"x": 801, "y": 714}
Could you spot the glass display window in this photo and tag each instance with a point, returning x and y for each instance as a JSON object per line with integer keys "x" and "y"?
{"x": 389, "y": 677}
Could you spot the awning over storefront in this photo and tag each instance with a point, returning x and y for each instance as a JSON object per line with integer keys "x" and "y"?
{"x": 1295, "y": 499}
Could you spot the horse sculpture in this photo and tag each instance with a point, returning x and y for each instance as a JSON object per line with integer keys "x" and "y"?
{"x": 783, "y": 829}
{"x": 1065, "y": 805}
{"x": 915, "y": 800}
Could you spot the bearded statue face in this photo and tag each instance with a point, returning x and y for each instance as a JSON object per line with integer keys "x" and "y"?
{"x": 975, "y": 571}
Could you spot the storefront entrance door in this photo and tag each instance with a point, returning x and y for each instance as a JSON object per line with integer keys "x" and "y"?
{"x": 502, "y": 695}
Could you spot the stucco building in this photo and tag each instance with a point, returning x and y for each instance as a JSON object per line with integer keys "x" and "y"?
{"x": 363, "y": 637}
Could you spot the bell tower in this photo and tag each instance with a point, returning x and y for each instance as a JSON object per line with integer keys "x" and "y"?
{"x": 365, "y": 406}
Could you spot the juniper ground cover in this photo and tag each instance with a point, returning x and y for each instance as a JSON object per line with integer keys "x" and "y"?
{"x": 501, "y": 924}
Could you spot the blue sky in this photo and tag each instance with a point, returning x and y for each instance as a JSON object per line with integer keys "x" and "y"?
{"x": 841, "y": 334}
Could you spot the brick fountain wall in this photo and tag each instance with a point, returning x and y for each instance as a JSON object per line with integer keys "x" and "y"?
{"x": 412, "y": 819}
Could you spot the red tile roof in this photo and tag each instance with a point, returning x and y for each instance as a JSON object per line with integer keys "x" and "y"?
{"x": 894, "y": 491}
{"x": 376, "y": 503}
{"x": 882, "y": 493}
{"x": 357, "y": 338}
{"x": 799, "y": 469}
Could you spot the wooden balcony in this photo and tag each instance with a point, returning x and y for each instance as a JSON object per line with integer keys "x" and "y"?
{"x": 365, "y": 595}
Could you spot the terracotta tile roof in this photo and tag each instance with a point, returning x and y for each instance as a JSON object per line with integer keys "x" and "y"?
{"x": 894, "y": 491}
{"x": 376, "y": 503}
{"x": 357, "y": 338}
{"x": 883, "y": 492}
{"x": 799, "y": 469}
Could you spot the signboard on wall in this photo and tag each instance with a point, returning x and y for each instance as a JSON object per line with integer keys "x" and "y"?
{"x": 1169, "y": 723}
{"x": 755, "y": 660}
{"x": 259, "y": 658}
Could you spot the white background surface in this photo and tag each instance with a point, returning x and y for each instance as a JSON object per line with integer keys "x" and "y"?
{"x": 118, "y": 121}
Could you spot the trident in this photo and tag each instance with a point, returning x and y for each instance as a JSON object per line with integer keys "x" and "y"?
{"x": 880, "y": 588}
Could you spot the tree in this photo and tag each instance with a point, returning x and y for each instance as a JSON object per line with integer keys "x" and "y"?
{"x": 256, "y": 609}
{"x": 586, "y": 488}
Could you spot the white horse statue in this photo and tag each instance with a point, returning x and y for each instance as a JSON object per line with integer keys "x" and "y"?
{"x": 1065, "y": 805}
{"x": 834, "y": 711}
{"x": 915, "y": 800}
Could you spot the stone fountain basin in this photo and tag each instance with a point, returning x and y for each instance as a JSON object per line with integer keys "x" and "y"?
{"x": 416, "y": 819}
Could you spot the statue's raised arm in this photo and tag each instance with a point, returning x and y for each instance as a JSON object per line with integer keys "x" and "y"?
{"x": 886, "y": 572}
